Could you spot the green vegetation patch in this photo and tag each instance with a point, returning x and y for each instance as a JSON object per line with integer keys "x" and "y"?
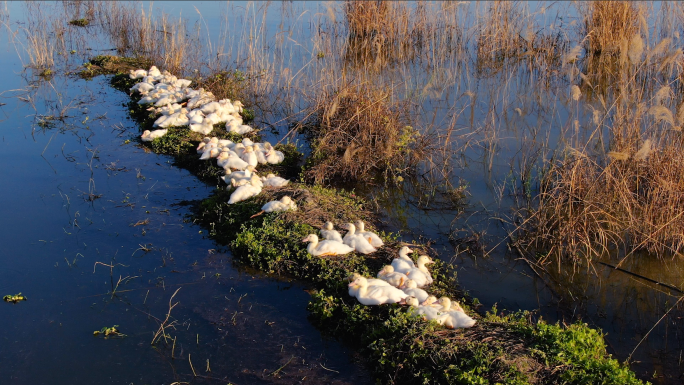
{"x": 513, "y": 349}
{"x": 108, "y": 65}
{"x": 82, "y": 22}
{"x": 16, "y": 298}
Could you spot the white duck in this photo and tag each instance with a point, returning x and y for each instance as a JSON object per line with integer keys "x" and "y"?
{"x": 234, "y": 162}
{"x": 143, "y": 87}
{"x": 420, "y": 273}
{"x": 412, "y": 289}
{"x": 238, "y": 175}
{"x": 373, "y": 238}
{"x": 359, "y": 243}
{"x": 154, "y": 71}
{"x": 427, "y": 313}
{"x": 284, "y": 204}
{"x": 326, "y": 247}
{"x": 249, "y": 156}
{"x": 404, "y": 263}
{"x": 275, "y": 181}
{"x": 245, "y": 192}
{"x": 353, "y": 290}
{"x": 148, "y": 136}
{"x": 237, "y": 127}
{"x": 203, "y": 128}
{"x": 395, "y": 279}
{"x": 137, "y": 74}
{"x": 376, "y": 295}
{"x": 328, "y": 232}
{"x": 272, "y": 155}
{"x": 209, "y": 152}
{"x": 203, "y": 143}
{"x": 454, "y": 318}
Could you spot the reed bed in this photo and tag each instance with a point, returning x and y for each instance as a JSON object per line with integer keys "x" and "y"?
{"x": 356, "y": 86}
{"x": 619, "y": 189}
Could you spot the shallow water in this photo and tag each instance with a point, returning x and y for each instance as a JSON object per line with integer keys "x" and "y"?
{"x": 243, "y": 325}
{"x": 54, "y": 235}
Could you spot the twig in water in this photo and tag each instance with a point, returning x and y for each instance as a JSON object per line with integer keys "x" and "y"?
{"x": 191, "y": 367}
{"x": 327, "y": 368}
{"x": 656, "y": 324}
{"x": 275, "y": 372}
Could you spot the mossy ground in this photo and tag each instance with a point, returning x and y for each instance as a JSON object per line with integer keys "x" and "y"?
{"x": 398, "y": 347}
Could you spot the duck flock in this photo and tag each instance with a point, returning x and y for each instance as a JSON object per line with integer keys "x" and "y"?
{"x": 400, "y": 282}
{"x": 177, "y": 105}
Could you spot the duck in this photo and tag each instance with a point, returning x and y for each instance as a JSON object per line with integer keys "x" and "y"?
{"x": 420, "y": 273}
{"x": 195, "y": 117}
{"x": 404, "y": 263}
{"x": 200, "y": 99}
{"x": 238, "y": 182}
{"x": 178, "y": 119}
{"x": 376, "y": 295}
{"x": 234, "y": 162}
{"x": 238, "y": 175}
{"x": 329, "y": 232}
{"x": 272, "y": 155}
{"x": 427, "y": 313}
{"x": 202, "y": 144}
{"x": 284, "y": 204}
{"x": 412, "y": 289}
{"x": 236, "y": 126}
{"x": 359, "y": 243}
{"x": 148, "y": 136}
{"x": 326, "y": 247}
{"x": 203, "y": 128}
{"x": 154, "y": 71}
{"x": 143, "y": 87}
{"x": 182, "y": 83}
{"x": 259, "y": 154}
{"x": 353, "y": 290}
{"x": 373, "y": 238}
{"x": 249, "y": 156}
{"x": 275, "y": 181}
{"x": 245, "y": 192}
{"x": 210, "y": 151}
{"x": 222, "y": 159}
{"x": 454, "y": 318}
{"x": 395, "y": 279}
{"x": 137, "y": 74}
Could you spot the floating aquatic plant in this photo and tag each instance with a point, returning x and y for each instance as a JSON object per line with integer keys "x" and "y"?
{"x": 14, "y": 298}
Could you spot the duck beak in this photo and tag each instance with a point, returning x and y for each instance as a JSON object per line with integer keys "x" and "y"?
{"x": 305, "y": 239}
{"x": 352, "y": 284}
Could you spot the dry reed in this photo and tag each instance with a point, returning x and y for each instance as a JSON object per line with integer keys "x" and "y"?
{"x": 359, "y": 130}
{"x": 608, "y": 23}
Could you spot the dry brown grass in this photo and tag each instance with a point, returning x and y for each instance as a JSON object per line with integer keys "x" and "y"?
{"x": 608, "y": 23}
{"x": 164, "y": 41}
{"x": 622, "y": 189}
{"x": 357, "y": 131}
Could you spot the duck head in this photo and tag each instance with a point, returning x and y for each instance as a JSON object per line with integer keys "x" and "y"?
{"x": 311, "y": 238}
{"x": 328, "y": 226}
{"x": 424, "y": 260}
{"x": 411, "y": 300}
{"x": 429, "y": 300}
{"x": 445, "y": 302}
